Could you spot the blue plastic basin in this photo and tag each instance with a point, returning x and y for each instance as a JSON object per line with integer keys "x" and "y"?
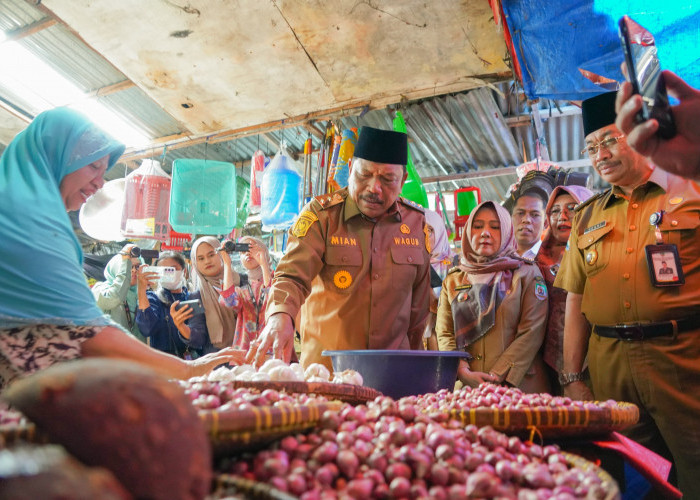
{"x": 401, "y": 373}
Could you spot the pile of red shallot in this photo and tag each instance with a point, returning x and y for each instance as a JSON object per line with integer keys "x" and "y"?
{"x": 500, "y": 397}
{"x": 207, "y": 395}
{"x": 389, "y": 449}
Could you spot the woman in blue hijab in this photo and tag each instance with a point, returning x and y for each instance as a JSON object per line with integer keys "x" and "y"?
{"x": 47, "y": 312}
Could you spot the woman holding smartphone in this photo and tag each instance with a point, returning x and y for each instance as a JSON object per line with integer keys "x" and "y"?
{"x": 158, "y": 314}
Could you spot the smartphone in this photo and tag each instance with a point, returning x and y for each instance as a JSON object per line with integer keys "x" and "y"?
{"x": 230, "y": 246}
{"x": 644, "y": 73}
{"x": 149, "y": 254}
{"x": 196, "y": 305}
{"x": 162, "y": 271}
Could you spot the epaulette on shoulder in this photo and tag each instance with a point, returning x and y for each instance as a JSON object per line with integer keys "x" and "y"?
{"x": 412, "y": 204}
{"x": 527, "y": 261}
{"x": 590, "y": 200}
{"x": 453, "y": 270}
{"x": 330, "y": 199}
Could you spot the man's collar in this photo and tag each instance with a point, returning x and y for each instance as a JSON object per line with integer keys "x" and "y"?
{"x": 658, "y": 177}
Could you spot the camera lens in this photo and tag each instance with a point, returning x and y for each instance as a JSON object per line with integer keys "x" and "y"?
{"x": 135, "y": 252}
{"x": 229, "y": 246}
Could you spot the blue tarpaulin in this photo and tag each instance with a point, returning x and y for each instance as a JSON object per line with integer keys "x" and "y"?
{"x": 555, "y": 40}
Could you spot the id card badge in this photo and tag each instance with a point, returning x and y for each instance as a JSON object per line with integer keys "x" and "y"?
{"x": 664, "y": 265}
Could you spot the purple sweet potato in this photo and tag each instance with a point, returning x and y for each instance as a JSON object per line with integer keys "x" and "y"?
{"x": 124, "y": 417}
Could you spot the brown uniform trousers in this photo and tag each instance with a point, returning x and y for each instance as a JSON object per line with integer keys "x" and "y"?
{"x": 606, "y": 262}
{"x": 510, "y": 348}
{"x": 364, "y": 284}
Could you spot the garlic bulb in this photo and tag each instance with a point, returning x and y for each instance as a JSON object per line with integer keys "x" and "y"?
{"x": 282, "y": 374}
{"x": 317, "y": 370}
{"x": 270, "y": 364}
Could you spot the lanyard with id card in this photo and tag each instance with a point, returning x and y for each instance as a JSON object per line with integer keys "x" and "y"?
{"x": 663, "y": 260}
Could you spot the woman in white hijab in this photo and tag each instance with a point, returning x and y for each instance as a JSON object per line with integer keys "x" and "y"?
{"x": 208, "y": 280}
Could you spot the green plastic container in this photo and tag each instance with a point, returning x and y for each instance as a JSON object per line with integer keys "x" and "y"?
{"x": 203, "y": 197}
{"x": 466, "y": 202}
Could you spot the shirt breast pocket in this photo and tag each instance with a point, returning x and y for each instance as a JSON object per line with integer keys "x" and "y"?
{"x": 595, "y": 247}
{"x": 405, "y": 269}
{"x": 342, "y": 267}
{"x": 681, "y": 229}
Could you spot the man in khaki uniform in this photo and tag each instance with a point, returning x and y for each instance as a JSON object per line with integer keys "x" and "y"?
{"x": 358, "y": 261}
{"x": 645, "y": 345}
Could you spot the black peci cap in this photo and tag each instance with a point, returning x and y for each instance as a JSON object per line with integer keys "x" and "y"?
{"x": 382, "y": 146}
{"x": 598, "y": 112}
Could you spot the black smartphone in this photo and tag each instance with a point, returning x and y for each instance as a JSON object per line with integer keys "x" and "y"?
{"x": 196, "y": 305}
{"x": 149, "y": 255}
{"x": 644, "y": 73}
{"x": 230, "y": 246}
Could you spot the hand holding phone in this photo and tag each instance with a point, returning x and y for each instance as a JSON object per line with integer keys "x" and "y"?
{"x": 195, "y": 305}
{"x": 644, "y": 73}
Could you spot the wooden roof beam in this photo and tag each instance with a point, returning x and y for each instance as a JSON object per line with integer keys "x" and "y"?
{"x": 111, "y": 89}
{"x": 30, "y": 29}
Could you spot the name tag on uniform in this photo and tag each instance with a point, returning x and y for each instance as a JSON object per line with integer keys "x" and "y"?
{"x": 593, "y": 228}
{"x": 462, "y": 287}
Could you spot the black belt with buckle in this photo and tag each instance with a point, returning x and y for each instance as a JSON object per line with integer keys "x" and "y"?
{"x": 641, "y": 331}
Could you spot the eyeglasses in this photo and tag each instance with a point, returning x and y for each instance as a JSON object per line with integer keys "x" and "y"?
{"x": 592, "y": 150}
{"x": 556, "y": 212}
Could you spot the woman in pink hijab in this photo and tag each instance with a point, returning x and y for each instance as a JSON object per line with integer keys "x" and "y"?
{"x": 494, "y": 306}
{"x": 560, "y": 213}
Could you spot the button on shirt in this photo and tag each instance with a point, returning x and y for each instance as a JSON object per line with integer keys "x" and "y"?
{"x": 365, "y": 281}
{"x": 606, "y": 260}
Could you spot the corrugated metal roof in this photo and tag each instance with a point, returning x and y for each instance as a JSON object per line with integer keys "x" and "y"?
{"x": 70, "y": 57}
{"x": 16, "y": 14}
{"x": 455, "y": 134}
{"x": 482, "y": 130}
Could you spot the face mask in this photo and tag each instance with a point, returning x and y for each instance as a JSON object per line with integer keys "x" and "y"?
{"x": 175, "y": 281}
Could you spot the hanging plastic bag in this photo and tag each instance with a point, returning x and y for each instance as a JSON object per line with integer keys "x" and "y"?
{"x": 347, "y": 148}
{"x": 146, "y": 203}
{"x": 257, "y": 167}
{"x": 413, "y": 188}
{"x": 281, "y": 192}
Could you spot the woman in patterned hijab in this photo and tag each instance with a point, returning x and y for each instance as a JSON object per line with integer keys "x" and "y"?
{"x": 494, "y": 306}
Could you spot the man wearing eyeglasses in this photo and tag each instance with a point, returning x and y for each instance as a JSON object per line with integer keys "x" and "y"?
{"x": 645, "y": 342}
{"x": 358, "y": 261}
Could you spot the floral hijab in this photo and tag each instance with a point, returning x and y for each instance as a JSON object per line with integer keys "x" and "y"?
{"x": 506, "y": 258}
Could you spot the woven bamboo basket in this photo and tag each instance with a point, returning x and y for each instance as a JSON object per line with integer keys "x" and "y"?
{"x": 552, "y": 422}
{"x": 353, "y": 394}
{"x": 227, "y": 486}
{"x": 252, "y": 428}
{"x": 22, "y": 432}
{"x": 612, "y": 490}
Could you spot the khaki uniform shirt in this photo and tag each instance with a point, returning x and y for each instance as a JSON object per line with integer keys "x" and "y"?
{"x": 364, "y": 283}
{"x": 606, "y": 260}
{"x": 511, "y": 346}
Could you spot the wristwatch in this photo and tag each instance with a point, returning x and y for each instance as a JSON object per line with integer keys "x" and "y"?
{"x": 568, "y": 378}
